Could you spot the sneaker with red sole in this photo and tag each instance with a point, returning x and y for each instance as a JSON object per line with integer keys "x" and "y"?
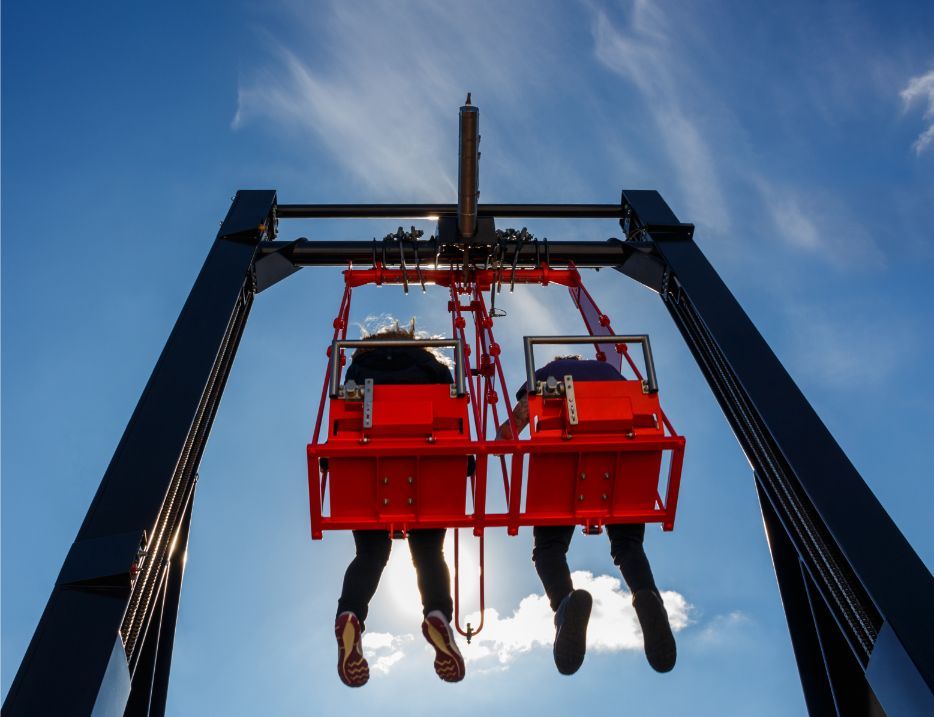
{"x": 449, "y": 663}
{"x": 352, "y": 666}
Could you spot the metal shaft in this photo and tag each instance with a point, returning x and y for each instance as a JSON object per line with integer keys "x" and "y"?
{"x": 303, "y": 252}
{"x": 468, "y": 174}
{"x": 415, "y": 211}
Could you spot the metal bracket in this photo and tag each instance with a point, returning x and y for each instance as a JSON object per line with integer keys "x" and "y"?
{"x": 569, "y": 398}
{"x": 102, "y": 562}
{"x": 273, "y": 268}
{"x": 351, "y": 391}
{"x": 368, "y": 403}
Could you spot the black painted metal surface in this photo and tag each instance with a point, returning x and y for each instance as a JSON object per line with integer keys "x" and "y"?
{"x": 424, "y": 211}
{"x": 585, "y": 254}
{"x": 143, "y": 499}
{"x": 857, "y": 570}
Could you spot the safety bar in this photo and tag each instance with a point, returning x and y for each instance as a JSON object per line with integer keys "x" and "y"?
{"x": 460, "y": 380}
{"x": 643, "y": 339}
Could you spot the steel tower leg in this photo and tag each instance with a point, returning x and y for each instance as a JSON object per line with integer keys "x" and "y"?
{"x": 116, "y": 593}
{"x": 853, "y": 600}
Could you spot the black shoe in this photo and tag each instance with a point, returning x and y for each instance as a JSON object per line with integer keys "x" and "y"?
{"x": 656, "y": 632}
{"x": 571, "y": 631}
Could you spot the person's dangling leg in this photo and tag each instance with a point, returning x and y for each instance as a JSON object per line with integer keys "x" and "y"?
{"x": 549, "y": 553}
{"x": 626, "y": 541}
{"x": 626, "y": 547}
{"x": 362, "y": 576}
{"x": 572, "y": 607}
{"x": 431, "y": 569}
{"x": 434, "y": 586}
{"x": 360, "y": 582}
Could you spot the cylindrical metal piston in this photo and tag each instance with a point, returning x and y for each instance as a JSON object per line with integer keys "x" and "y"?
{"x": 468, "y": 176}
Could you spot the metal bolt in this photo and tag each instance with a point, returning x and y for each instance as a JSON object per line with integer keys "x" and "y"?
{"x": 583, "y": 476}
{"x": 411, "y": 480}
{"x": 411, "y": 500}
{"x": 581, "y": 497}
{"x": 386, "y": 481}
{"x": 385, "y": 501}
{"x": 603, "y": 497}
{"x": 606, "y": 476}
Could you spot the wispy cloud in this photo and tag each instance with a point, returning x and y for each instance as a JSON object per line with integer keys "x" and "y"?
{"x": 811, "y": 222}
{"x": 719, "y": 169}
{"x": 722, "y": 628}
{"x": 865, "y": 351}
{"x": 921, "y": 89}
{"x": 377, "y": 85}
{"x": 644, "y": 55}
{"x": 363, "y": 119}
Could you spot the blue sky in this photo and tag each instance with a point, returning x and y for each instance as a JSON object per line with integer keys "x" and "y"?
{"x": 797, "y": 136}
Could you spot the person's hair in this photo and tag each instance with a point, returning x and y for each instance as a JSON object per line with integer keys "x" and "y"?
{"x": 392, "y": 329}
{"x": 569, "y": 357}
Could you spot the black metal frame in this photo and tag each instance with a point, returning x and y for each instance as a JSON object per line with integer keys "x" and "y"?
{"x": 856, "y": 595}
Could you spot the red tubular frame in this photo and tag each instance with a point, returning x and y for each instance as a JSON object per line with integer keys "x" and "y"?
{"x": 486, "y": 384}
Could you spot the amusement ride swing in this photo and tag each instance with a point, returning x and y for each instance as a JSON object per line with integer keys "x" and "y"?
{"x": 396, "y": 456}
{"x": 850, "y": 582}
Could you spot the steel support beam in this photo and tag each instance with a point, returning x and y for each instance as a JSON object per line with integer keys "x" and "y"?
{"x": 160, "y": 682}
{"x": 610, "y": 253}
{"x": 428, "y": 211}
{"x": 861, "y": 575}
{"x": 94, "y": 627}
{"x": 812, "y": 671}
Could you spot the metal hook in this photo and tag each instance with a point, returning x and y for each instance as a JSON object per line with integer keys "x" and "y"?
{"x": 415, "y": 234}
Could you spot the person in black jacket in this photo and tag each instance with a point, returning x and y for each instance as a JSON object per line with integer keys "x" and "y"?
{"x": 572, "y": 607}
{"x": 391, "y": 365}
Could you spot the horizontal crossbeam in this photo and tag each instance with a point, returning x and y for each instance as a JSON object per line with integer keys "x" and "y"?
{"x": 425, "y": 211}
{"x": 589, "y": 254}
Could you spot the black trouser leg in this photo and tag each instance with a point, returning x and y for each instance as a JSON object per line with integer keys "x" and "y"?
{"x": 363, "y": 573}
{"x": 628, "y": 554}
{"x": 550, "y": 557}
{"x": 434, "y": 579}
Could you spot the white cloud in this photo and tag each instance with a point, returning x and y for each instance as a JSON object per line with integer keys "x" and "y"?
{"x": 383, "y": 650}
{"x": 921, "y": 88}
{"x": 613, "y": 627}
{"x": 613, "y": 624}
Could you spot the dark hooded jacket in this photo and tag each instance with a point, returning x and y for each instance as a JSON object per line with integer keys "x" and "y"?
{"x": 397, "y": 365}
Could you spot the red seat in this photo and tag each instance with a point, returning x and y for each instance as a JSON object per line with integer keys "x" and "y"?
{"x": 606, "y": 467}
{"x": 408, "y": 470}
